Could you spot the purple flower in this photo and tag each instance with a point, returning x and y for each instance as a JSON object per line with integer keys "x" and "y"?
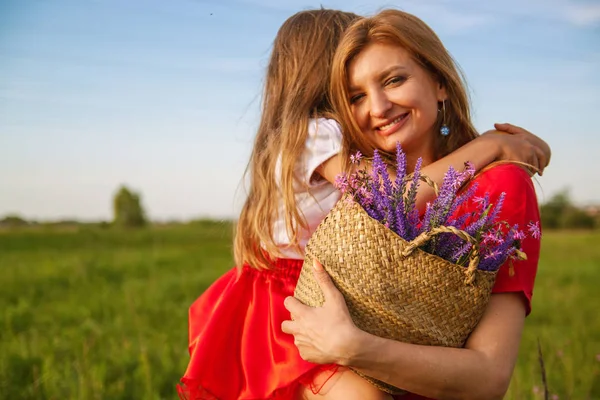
{"x": 497, "y": 207}
{"x": 443, "y": 203}
{"x": 479, "y": 200}
{"x": 493, "y": 254}
{"x": 382, "y": 189}
{"x": 341, "y": 183}
{"x": 469, "y": 171}
{"x": 460, "y": 200}
{"x": 496, "y": 255}
{"x": 410, "y": 206}
{"x": 398, "y": 192}
{"x": 366, "y": 196}
{"x": 518, "y": 235}
{"x": 428, "y": 217}
{"x": 534, "y": 229}
{"x": 490, "y": 238}
{"x": 355, "y": 158}
{"x": 461, "y": 252}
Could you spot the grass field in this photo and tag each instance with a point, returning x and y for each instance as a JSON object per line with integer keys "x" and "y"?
{"x": 102, "y": 314}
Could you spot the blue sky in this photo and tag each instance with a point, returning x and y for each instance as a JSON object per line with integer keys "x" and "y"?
{"x": 164, "y": 95}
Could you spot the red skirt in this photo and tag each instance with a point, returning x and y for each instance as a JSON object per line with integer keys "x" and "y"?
{"x": 237, "y": 348}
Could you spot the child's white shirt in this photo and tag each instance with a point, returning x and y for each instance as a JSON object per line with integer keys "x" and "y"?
{"x": 315, "y": 196}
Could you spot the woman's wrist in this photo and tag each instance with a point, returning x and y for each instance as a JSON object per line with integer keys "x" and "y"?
{"x": 355, "y": 342}
{"x": 494, "y": 143}
{"x": 491, "y": 148}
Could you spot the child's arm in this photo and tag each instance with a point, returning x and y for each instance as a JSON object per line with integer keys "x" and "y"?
{"x": 519, "y": 145}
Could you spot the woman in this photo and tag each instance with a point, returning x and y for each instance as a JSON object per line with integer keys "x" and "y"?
{"x": 393, "y": 80}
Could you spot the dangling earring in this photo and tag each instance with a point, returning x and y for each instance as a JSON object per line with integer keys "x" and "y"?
{"x": 444, "y": 130}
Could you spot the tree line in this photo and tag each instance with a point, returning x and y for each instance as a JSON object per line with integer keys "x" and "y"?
{"x": 559, "y": 212}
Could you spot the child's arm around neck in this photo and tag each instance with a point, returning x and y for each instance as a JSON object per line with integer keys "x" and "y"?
{"x": 519, "y": 146}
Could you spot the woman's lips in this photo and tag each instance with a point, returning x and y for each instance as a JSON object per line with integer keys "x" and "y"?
{"x": 393, "y": 126}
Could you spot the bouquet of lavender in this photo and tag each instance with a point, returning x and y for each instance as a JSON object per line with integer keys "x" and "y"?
{"x": 394, "y": 206}
{"x": 417, "y": 277}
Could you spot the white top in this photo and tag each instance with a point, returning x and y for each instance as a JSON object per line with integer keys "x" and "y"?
{"x": 315, "y": 196}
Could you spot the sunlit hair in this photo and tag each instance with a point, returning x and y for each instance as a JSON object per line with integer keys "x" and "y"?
{"x": 295, "y": 90}
{"x": 402, "y": 29}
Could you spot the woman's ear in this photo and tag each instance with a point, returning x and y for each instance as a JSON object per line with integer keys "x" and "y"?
{"x": 441, "y": 92}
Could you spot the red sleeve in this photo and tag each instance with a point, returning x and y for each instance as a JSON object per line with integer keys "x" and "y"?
{"x": 520, "y": 207}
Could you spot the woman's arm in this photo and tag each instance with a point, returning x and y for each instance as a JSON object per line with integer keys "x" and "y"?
{"x": 480, "y": 370}
{"x": 519, "y": 145}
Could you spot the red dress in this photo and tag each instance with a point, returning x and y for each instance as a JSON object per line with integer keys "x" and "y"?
{"x": 237, "y": 348}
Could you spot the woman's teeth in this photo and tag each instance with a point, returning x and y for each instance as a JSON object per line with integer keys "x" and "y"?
{"x": 384, "y": 127}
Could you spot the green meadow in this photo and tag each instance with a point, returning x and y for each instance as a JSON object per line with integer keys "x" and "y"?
{"x": 92, "y": 313}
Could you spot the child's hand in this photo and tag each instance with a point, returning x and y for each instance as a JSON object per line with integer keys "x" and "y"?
{"x": 522, "y": 146}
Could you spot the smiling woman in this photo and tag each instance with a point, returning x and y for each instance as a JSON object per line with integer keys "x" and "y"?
{"x": 393, "y": 81}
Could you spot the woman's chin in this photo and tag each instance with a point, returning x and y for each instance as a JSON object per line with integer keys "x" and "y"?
{"x": 388, "y": 144}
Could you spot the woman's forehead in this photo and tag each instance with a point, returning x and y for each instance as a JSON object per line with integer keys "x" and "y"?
{"x": 379, "y": 59}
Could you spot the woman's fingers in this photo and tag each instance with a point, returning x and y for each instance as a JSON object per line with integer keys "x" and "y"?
{"x": 294, "y": 306}
{"x": 324, "y": 280}
{"x": 541, "y": 149}
{"x": 541, "y": 160}
{"x": 510, "y": 128}
{"x": 289, "y": 327}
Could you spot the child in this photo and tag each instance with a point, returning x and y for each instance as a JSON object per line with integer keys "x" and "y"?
{"x": 237, "y": 348}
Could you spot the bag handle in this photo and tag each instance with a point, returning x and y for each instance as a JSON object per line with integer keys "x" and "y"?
{"x": 427, "y": 236}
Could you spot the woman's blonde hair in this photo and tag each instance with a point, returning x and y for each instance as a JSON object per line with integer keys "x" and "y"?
{"x": 295, "y": 90}
{"x": 402, "y": 29}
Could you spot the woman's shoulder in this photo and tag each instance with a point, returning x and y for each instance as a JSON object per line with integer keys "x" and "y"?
{"x": 505, "y": 178}
{"x": 512, "y": 184}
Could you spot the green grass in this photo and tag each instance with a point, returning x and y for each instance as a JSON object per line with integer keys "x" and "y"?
{"x": 102, "y": 314}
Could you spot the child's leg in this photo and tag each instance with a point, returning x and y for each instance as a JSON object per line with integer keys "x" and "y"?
{"x": 346, "y": 385}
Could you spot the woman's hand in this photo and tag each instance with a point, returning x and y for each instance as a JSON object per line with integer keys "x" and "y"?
{"x": 523, "y": 146}
{"x": 323, "y": 335}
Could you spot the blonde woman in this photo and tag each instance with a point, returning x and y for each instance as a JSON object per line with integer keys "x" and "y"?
{"x": 393, "y": 81}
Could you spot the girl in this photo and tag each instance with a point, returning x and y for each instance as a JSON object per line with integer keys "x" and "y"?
{"x": 390, "y": 76}
{"x": 237, "y": 348}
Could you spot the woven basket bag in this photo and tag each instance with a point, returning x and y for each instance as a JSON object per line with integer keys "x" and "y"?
{"x": 393, "y": 289}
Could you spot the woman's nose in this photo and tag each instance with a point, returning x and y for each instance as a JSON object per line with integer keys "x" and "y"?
{"x": 380, "y": 104}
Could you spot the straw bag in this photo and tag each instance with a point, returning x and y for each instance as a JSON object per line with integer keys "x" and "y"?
{"x": 393, "y": 289}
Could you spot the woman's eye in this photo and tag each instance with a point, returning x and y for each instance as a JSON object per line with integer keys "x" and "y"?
{"x": 395, "y": 80}
{"x": 356, "y": 98}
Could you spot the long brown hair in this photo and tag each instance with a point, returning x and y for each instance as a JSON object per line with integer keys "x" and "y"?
{"x": 295, "y": 90}
{"x": 405, "y": 30}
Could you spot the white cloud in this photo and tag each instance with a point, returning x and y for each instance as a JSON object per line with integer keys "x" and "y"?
{"x": 583, "y": 14}
{"x": 443, "y": 16}
{"x": 457, "y": 16}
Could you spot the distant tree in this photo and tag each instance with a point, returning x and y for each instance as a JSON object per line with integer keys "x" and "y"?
{"x": 127, "y": 209}
{"x": 576, "y": 218}
{"x": 560, "y": 213}
{"x": 553, "y": 210}
{"x": 13, "y": 220}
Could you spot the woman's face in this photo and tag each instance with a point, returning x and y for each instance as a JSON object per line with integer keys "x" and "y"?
{"x": 393, "y": 99}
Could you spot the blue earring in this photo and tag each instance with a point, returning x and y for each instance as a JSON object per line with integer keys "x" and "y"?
{"x": 444, "y": 130}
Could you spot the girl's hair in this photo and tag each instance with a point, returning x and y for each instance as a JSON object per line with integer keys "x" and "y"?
{"x": 295, "y": 90}
{"x": 402, "y": 29}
